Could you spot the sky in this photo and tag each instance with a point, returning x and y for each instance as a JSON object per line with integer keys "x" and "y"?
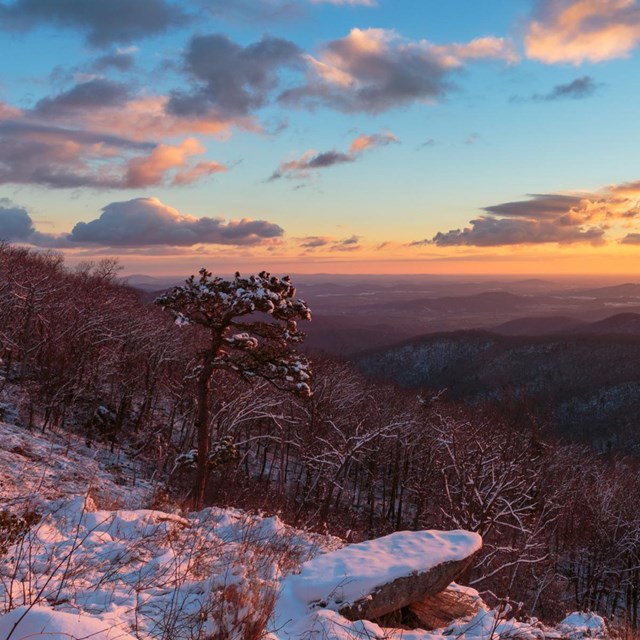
{"x": 324, "y": 136}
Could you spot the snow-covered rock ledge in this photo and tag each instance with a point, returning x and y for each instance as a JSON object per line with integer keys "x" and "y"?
{"x": 371, "y": 579}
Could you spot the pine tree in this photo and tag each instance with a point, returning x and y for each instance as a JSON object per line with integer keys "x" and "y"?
{"x": 240, "y": 339}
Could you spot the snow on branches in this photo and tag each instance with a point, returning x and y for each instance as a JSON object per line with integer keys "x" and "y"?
{"x": 252, "y": 331}
{"x": 242, "y": 340}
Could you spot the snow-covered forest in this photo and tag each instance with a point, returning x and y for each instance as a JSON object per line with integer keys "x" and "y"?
{"x": 106, "y": 401}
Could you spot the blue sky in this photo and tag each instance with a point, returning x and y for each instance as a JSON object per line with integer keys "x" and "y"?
{"x": 316, "y": 135}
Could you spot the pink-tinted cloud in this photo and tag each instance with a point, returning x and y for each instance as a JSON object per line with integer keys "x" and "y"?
{"x": 141, "y": 222}
{"x": 550, "y": 218}
{"x": 153, "y": 169}
{"x": 82, "y": 138}
{"x": 374, "y": 70}
{"x": 487, "y": 231}
{"x": 312, "y": 160}
{"x": 577, "y": 31}
{"x": 328, "y": 243}
{"x": 148, "y": 221}
{"x": 114, "y": 107}
{"x": 364, "y": 142}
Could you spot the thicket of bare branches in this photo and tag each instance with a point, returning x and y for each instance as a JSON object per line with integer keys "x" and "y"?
{"x": 560, "y": 523}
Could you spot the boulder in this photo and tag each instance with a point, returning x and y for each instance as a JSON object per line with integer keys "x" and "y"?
{"x": 405, "y": 591}
{"x": 371, "y": 579}
{"x": 439, "y": 610}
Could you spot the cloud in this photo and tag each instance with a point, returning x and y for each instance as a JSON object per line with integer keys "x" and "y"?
{"x": 577, "y": 89}
{"x": 144, "y": 117}
{"x": 104, "y": 23}
{"x": 491, "y": 232}
{"x": 374, "y": 70}
{"x": 315, "y": 242}
{"x": 577, "y": 31}
{"x": 348, "y": 244}
{"x": 311, "y": 243}
{"x": 97, "y": 93}
{"x": 231, "y": 80}
{"x": 138, "y": 223}
{"x": 631, "y": 238}
{"x": 430, "y": 142}
{"x": 64, "y": 158}
{"x": 550, "y": 218}
{"x": 16, "y": 225}
{"x": 540, "y": 206}
{"x": 153, "y": 169}
{"x": 261, "y": 11}
{"x": 311, "y": 160}
{"x": 258, "y": 11}
{"x": 31, "y": 153}
{"x": 119, "y": 60}
{"x": 364, "y": 3}
{"x": 147, "y": 221}
{"x": 99, "y": 134}
{"x": 366, "y": 142}
{"x": 15, "y": 222}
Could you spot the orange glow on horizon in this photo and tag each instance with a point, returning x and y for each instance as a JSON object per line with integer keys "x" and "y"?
{"x": 524, "y": 261}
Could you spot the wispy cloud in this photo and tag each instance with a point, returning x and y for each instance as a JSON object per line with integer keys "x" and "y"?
{"x": 577, "y": 89}
{"x": 311, "y": 160}
{"x": 328, "y": 243}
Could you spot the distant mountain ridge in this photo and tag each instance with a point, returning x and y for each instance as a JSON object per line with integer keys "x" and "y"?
{"x": 584, "y": 380}
{"x": 620, "y": 323}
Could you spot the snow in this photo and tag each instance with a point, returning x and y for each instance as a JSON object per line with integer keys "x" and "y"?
{"x": 36, "y": 467}
{"x": 352, "y": 572}
{"x": 39, "y": 621}
{"x": 583, "y": 625}
{"x": 96, "y": 565}
{"x": 334, "y": 580}
{"x": 150, "y": 573}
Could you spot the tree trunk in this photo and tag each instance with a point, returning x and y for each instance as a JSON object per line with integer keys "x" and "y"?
{"x": 202, "y": 426}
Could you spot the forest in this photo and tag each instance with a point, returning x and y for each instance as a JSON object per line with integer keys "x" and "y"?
{"x": 354, "y": 457}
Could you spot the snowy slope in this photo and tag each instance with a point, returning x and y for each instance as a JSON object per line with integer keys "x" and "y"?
{"x": 36, "y": 467}
{"x": 97, "y": 566}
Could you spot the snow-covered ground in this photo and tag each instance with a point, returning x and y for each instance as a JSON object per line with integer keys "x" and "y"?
{"x": 99, "y": 565}
{"x": 36, "y": 468}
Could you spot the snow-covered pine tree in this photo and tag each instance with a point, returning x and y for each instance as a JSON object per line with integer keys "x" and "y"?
{"x": 252, "y": 331}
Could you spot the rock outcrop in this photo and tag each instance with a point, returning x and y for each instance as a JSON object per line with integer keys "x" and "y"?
{"x": 420, "y": 590}
{"x": 439, "y": 610}
{"x": 369, "y": 580}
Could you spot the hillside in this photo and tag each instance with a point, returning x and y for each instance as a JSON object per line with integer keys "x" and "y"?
{"x": 584, "y": 385}
{"x": 88, "y": 563}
